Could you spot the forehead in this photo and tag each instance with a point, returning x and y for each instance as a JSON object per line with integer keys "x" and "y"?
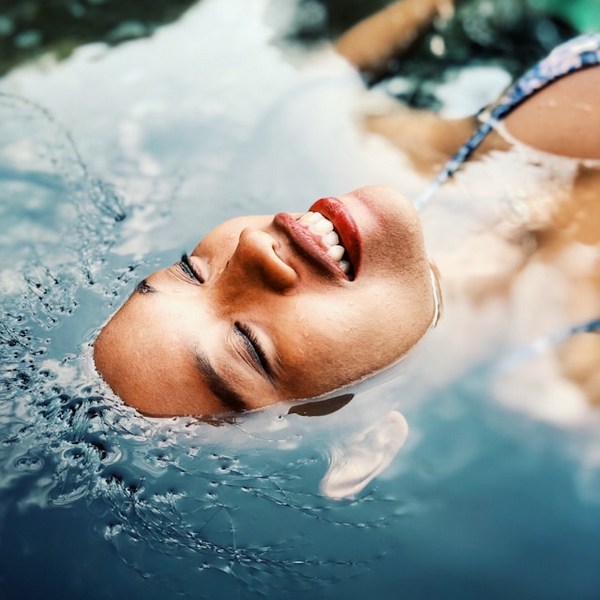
{"x": 147, "y": 365}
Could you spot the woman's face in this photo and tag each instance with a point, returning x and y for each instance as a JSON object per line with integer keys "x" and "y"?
{"x": 263, "y": 310}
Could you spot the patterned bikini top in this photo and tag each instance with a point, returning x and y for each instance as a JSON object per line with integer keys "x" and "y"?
{"x": 576, "y": 54}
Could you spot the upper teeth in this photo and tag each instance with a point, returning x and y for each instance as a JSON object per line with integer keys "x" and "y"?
{"x": 322, "y": 230}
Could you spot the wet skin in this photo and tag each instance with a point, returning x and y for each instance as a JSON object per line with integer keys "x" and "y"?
{"x": 258, "y": 313}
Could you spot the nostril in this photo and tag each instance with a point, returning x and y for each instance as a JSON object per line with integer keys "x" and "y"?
{"x": 260, "y": 253}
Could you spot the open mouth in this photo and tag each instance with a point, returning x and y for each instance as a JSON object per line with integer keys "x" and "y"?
{"x": 328, "y": 234}
{"x": 333, "y": 211}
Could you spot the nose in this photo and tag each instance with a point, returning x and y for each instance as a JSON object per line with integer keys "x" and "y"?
{"x": 256, "y": 262}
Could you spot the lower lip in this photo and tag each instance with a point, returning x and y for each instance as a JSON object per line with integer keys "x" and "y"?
{"x": 337, "y": 212}
{"x": 306, "y": 243}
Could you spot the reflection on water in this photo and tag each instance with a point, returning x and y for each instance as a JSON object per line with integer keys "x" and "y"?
{"x": 103, "y": 158}
{"x": 367, "y": 454}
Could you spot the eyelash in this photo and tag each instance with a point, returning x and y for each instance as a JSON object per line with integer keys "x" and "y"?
{"x": 188, "y": 269}
{"x": 253, "y": 346}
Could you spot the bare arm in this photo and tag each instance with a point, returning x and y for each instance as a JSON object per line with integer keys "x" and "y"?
{"x": 562, "y": 119}
{"x": 390, "y": 31}
{"x": 428, "y": 139}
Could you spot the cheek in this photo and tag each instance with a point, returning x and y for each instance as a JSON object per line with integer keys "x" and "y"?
{"x": 396, "y": 250}
{"x": 336, "y": 342}
{"x": 388, "y": 319}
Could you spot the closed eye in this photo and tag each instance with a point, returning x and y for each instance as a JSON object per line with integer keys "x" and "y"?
{"x": 256, "y": 351}
{"x": 188, "y": 269}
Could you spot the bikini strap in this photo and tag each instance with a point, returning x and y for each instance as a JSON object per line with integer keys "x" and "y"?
{"x": 576, "y": 54}
{"x": 544, "y": 344}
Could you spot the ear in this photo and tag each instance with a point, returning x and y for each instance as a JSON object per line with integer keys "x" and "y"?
{"x": 320, "y": 408}
{"x": 359, "y": 460}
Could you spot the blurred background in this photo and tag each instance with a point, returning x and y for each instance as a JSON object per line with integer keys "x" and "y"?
{"x": 29, "y": 28}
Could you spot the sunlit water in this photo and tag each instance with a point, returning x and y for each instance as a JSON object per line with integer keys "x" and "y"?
{"x": 115, "y": 161}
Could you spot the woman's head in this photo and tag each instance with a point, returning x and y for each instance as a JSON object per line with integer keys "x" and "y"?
{"x": 274, "y": 308}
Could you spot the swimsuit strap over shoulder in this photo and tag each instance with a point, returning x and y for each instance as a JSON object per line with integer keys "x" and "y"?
{"x": 576, "y": 54}
{"x": 545, "y": 343}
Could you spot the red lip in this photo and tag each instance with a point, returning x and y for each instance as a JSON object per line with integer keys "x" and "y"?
{"x": 306, "y": 244}
{"x": 334, "y": 210}
{"x": 337, "y": 212}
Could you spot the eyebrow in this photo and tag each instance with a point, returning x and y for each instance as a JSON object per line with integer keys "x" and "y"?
{"x": 219, "y": 386}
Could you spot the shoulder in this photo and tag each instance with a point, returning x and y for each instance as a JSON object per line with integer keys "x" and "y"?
{"x": 563, "y": 118}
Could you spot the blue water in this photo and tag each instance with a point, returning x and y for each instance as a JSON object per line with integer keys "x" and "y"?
{"x": 103, "y": 158}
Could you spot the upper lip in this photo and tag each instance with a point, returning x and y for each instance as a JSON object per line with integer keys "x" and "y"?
{"x": 336, "y": 212}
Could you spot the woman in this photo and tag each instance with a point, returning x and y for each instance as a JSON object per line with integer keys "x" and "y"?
{"x": 294, "y": 306}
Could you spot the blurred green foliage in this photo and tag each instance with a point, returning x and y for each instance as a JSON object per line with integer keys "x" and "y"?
{"x": 524, "y": 28}
{"x": 584, "y": 15}
{"x": 511, "y": 34}
{"x": 31, "y": 27}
